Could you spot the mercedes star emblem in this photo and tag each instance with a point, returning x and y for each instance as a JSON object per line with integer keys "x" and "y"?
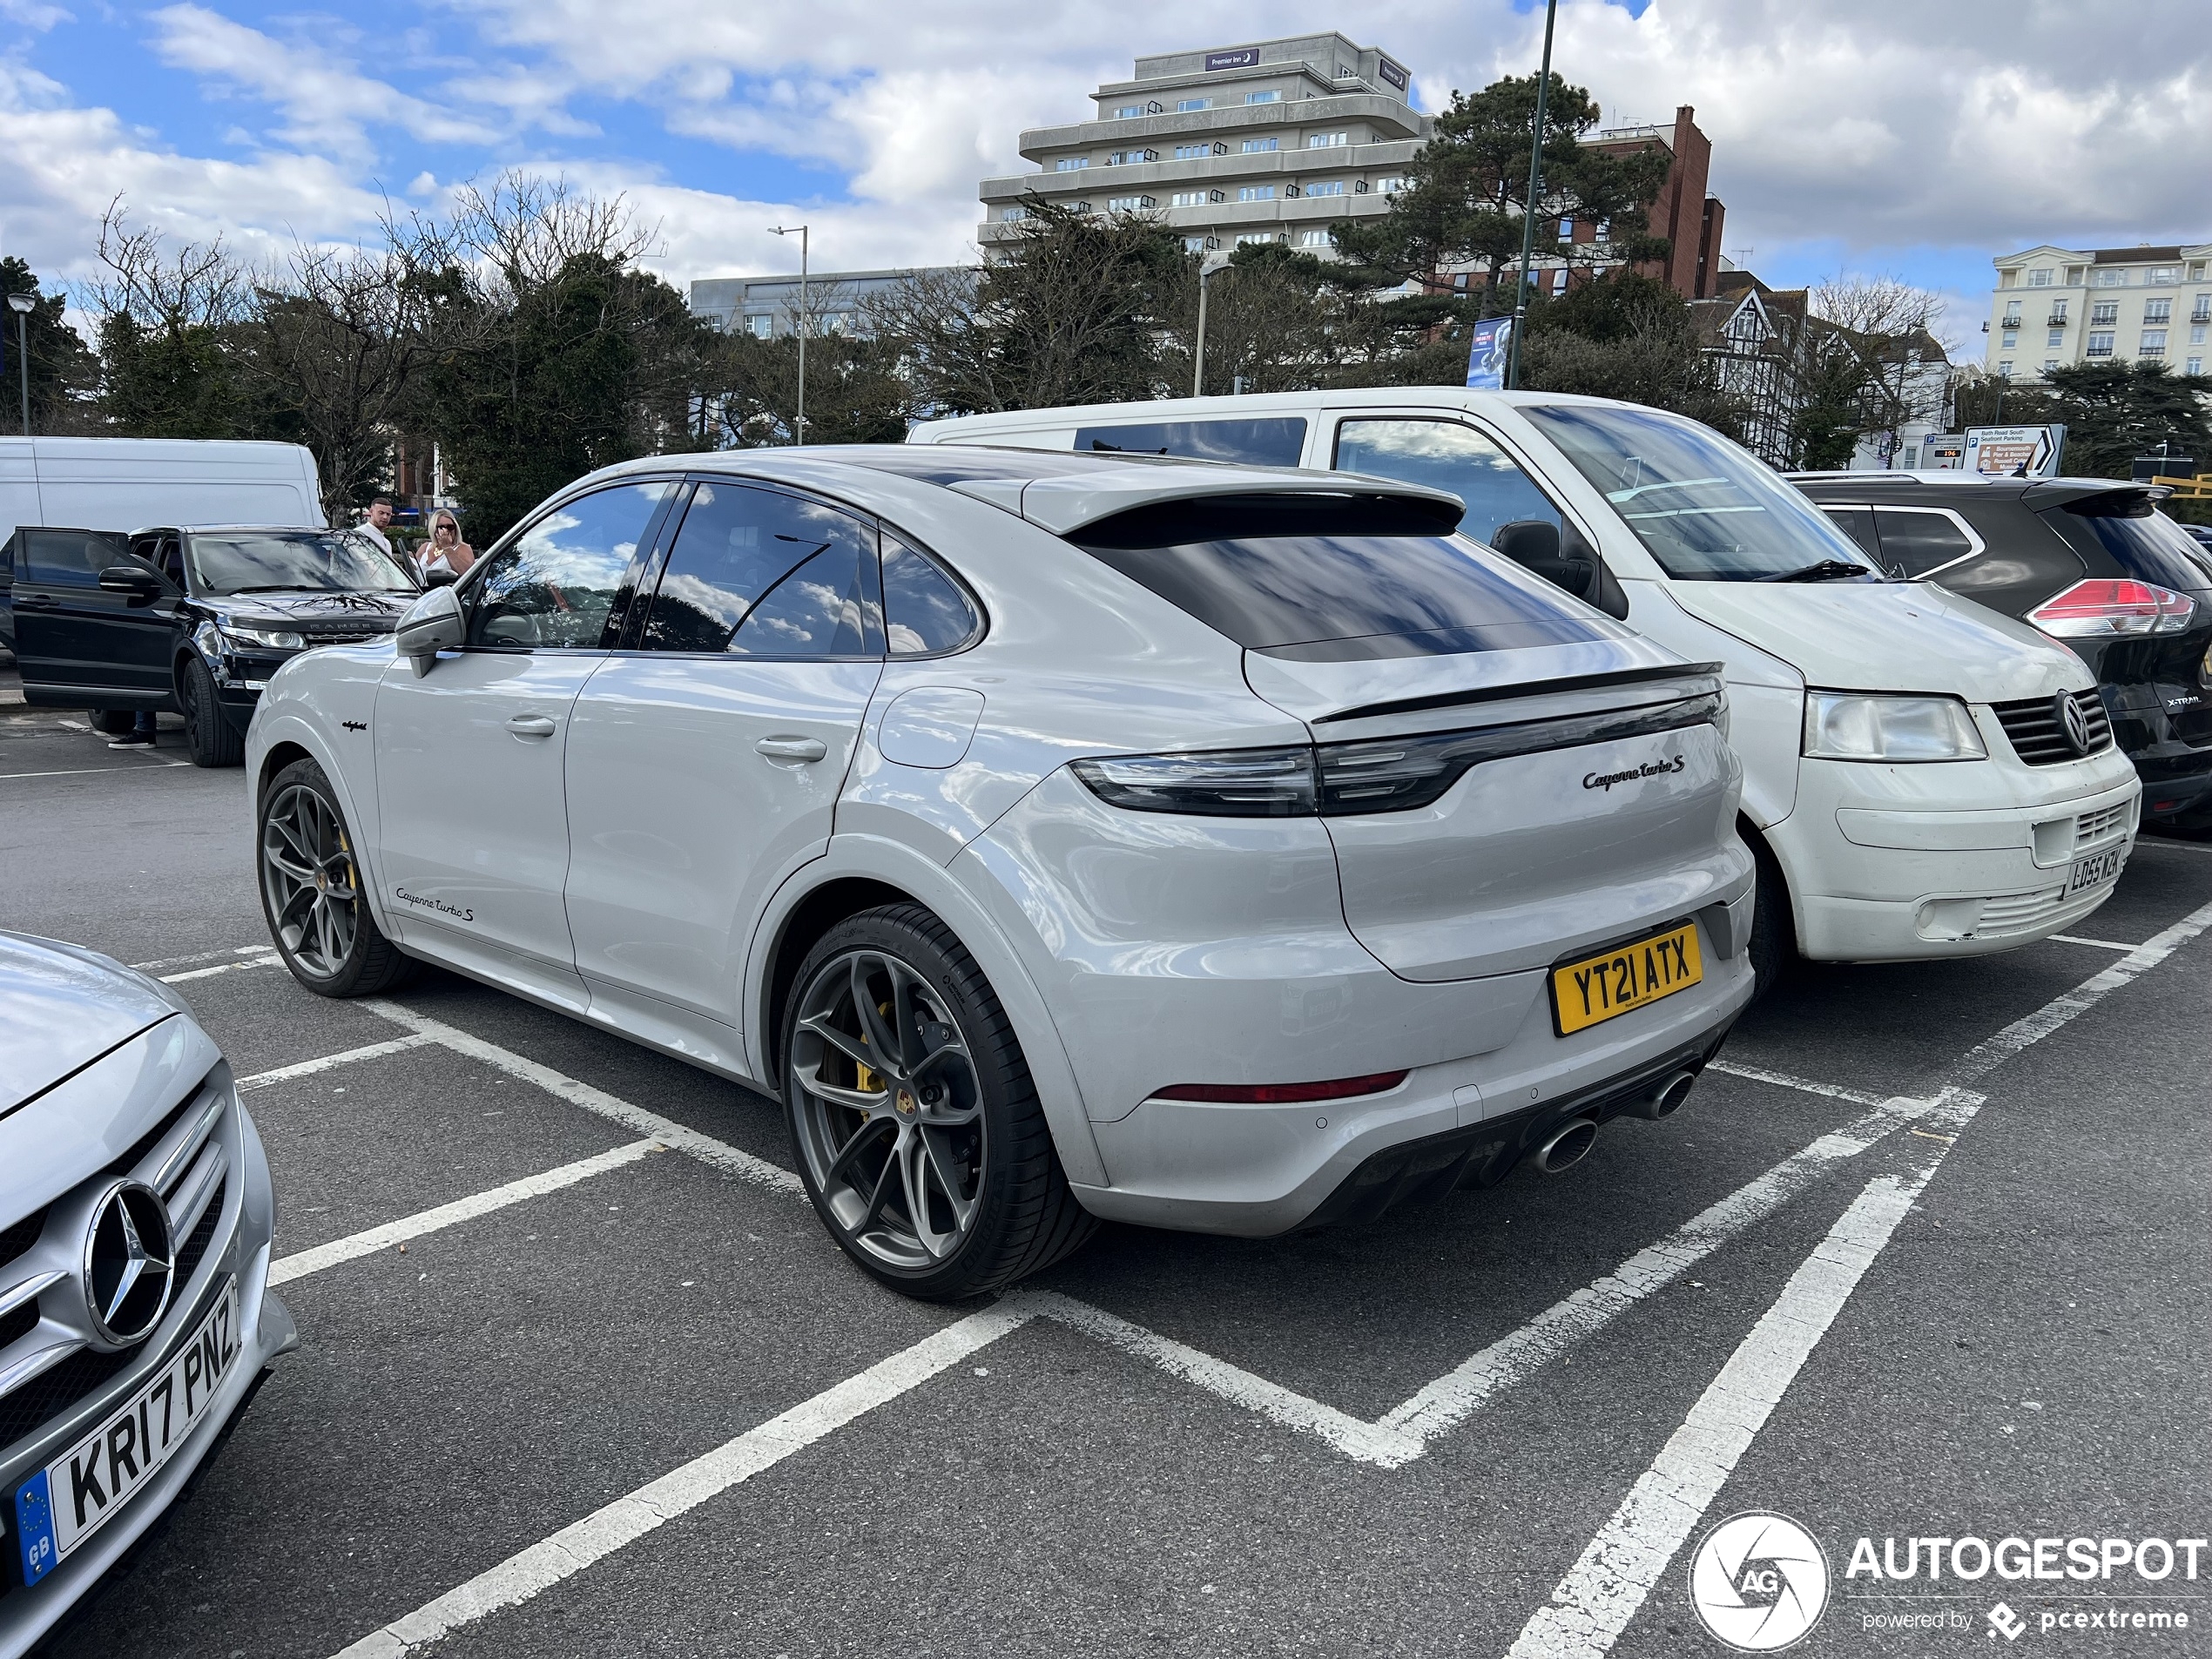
{"x": 130, "y": 1263}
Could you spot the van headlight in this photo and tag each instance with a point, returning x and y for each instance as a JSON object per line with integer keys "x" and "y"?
{"x": 263, "y": 639}
{"x": 1852, "y": 725}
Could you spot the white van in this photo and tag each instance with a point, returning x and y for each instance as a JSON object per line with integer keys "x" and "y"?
{"x": 1922, "y": 776}
{"x": 123, "y": 483}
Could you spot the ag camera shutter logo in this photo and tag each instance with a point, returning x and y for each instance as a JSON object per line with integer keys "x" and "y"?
{"x": 1758, "y": 1582}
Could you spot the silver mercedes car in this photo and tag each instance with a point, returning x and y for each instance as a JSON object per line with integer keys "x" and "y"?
{"x": 135, "y": 1219}
{"x": 1058, "y": 836}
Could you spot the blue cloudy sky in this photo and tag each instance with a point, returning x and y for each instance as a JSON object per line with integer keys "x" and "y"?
{"x": 1914, "y": 137}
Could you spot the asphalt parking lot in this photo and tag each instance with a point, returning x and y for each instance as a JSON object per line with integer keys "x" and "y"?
{"x": 1926, "y": 1256}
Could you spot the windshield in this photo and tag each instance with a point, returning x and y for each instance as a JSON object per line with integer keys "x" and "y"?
{"x": 290, "y": 561}
{"x": 1707, "y": 510}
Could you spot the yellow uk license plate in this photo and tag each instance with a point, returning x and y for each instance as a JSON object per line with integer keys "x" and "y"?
{"x": 1597, "y": 988}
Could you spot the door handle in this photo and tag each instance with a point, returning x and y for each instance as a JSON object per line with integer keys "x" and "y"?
{"x": 34, "y": 602}
{"x": 791, "y": 748}
{"x": 531, "y": 726}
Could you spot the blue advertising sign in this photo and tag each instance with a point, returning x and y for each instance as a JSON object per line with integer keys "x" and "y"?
{"x": 1248, "y": 59}
{"x": 1487, "y": 355}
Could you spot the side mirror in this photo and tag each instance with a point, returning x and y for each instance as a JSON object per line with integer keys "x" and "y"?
{"x": 1574, "y": 564}
{"x": 439, "y": 579}
{"x": 434, "y": 622}
{"x": 144, "y": 586}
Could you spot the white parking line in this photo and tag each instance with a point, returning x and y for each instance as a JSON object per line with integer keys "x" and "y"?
{"x": 578, "y": 1545}
{"x": 674, "y": 1136}
{"x": 227, "y": 953}
{"x": 1603, "y": 1591}
{"x": 355, "y": 1246}
{"x": 86, "y": 772}
{"x": 2076, "y": 938}
{"x": 308, "y": 1068}
{"x": 269, "y": 960}
{"x": 1760, "y": 1075}
{"x": 1448, "y": 1401}
{"x": 1985, "y": 1057}
{"x": 1367, "y": 1442}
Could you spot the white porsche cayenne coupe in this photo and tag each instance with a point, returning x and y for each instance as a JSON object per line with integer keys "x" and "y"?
{"x": 1058, "y": 836}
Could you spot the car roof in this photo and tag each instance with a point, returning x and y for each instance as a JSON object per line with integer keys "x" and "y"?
{"x": 1901, "y": 486}
{"x": 284, "y": 529}
{"x": 1056, "y": 490}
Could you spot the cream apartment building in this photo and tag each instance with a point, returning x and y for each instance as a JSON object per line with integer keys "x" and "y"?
{"x": 1274, "y": 140}
{"x": 2055, "y": 306}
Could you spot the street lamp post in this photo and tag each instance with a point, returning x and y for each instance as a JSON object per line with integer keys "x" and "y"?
{"x": 21, "y": 303}
{"x": 1208, "y": 264}
{"x": 799, "y": 428}
{"x": 1528, "y": 218}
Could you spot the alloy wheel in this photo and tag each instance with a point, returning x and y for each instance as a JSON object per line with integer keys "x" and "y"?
{"x": 309, "y": 872}
{"x": 889, "y": 1111}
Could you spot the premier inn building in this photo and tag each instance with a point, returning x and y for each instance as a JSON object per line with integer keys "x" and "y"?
{"x": 1273, "y": 141}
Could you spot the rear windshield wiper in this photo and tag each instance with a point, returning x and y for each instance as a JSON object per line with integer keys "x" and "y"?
{"x": 1826, "y": 570}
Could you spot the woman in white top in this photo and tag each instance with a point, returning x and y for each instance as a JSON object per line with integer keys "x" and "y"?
{"x": 445, "y": 551}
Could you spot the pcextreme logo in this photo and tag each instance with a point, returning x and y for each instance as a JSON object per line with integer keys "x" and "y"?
{"x": 1759, "y": 1581}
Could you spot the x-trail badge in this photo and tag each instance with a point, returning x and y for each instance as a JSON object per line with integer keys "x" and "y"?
{"x": 130, "y": 1263}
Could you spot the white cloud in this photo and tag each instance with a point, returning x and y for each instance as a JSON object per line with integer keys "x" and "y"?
{"x": 1889, "y": 132}
{"x": 328, "y": 106}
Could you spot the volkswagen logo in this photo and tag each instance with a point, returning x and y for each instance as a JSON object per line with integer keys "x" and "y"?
{"x": 1759, "y": 1582}
{"x": 130, "y": 1263}
{"x": 2073, "y": 726}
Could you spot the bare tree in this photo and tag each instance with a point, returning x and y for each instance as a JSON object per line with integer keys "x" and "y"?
{"x": 193, "y": 285}
{"x": 1891, "y": 324}
{"x": 338, "y": 339}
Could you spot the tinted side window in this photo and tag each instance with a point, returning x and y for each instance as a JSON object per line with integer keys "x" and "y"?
{"x": 1858, "y": 522}
{"x": 1914, "y": 544}
{"x": 1257, "y": 443}
{"x": 1447, "y": 455}
{"x": 68, "y": 558}
{"x": 742, "y": 549}
{"x": 924, "y": 610}
{"x": 1314, "y": 580}
{"x": 555, "y": 586}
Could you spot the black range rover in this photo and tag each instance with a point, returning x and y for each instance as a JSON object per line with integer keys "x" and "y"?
{"x": 2089, "y": 562}
{"x": 190, "y": 620}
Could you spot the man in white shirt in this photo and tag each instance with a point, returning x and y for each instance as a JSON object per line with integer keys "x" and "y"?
{"x": 379, "y": 518}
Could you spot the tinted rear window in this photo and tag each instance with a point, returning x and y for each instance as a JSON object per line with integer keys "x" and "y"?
{"x": 1255, "y": 443}
{"x": 2151, "y": 548}
{"x": 1337, "y": 579}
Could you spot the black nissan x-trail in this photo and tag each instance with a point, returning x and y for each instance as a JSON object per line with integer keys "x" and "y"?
{"x": 2093, "y": 563}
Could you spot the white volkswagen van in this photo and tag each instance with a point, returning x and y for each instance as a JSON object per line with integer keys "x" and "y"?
{"x": 1922, "y": 776}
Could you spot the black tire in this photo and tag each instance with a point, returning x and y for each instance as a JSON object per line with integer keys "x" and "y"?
{"x": 209, "y": 736}
{"x": 992, "y": 1140}
{"x": 113, "y": 723}
{"x": 1774, "y": 931}
{"x": 323, "y": 929}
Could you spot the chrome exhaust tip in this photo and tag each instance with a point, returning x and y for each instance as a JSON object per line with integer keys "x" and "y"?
{"x": 1666, "y": 1100}
{"x": 1570, "y": 1145}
